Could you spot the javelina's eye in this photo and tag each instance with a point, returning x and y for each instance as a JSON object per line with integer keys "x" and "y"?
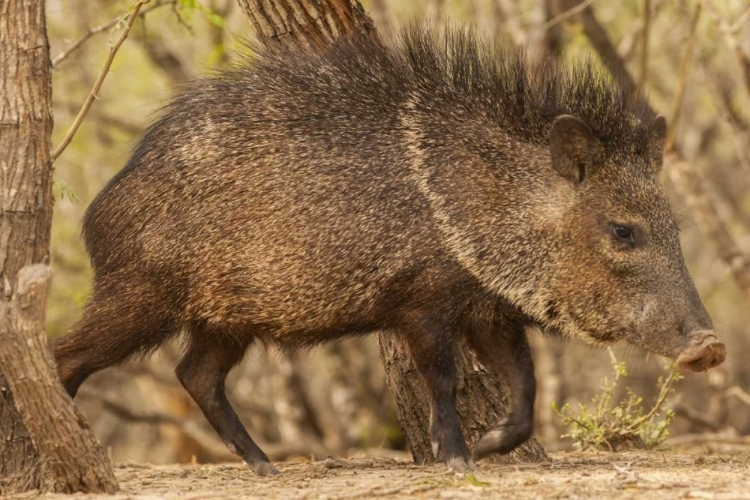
{"x": 624, "y": 233}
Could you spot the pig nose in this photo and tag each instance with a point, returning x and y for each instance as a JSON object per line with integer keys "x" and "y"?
{"x": 704, "y": 352}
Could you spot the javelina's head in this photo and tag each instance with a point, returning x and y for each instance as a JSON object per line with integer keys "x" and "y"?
{"x": 561, "y": 215}
{"x": 619, "y": 272}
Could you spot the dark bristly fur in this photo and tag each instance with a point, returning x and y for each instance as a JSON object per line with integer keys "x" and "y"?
{"x": 436, "y": 188}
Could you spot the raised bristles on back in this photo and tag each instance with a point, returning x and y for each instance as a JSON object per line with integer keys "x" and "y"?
{"x": 456, "y": 71}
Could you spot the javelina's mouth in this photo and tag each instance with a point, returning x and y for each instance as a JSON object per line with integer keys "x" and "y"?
{"x": 706, "y": 352}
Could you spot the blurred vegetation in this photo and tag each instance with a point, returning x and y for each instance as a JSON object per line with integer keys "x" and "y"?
{"x": 180, "y": 39}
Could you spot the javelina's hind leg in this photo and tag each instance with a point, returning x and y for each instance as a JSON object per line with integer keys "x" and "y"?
{"x": 120, "y": 320}
{"x": 505, "y": 350}
{"x": 203, "y": 372}
{"x": 433, "y": 350}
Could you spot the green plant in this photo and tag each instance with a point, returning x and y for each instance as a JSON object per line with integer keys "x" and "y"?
{"x": 625, "y": 425}
{"x": 194, "y": 5}
{"x": 65, "y": 191}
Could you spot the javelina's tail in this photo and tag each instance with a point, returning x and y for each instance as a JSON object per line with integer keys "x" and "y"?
{"x": 123, "y": 318}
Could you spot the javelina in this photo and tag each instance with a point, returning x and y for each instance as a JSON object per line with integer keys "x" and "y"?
{"x": 435, "y": 188}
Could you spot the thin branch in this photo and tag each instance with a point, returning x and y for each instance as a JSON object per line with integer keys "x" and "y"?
{"x": 568, "y": 13}
{"x": 740, "y": 21}
{"x": 181, "y": 21}
{"x": 206, "y": 440}
{"x": 599, "y": 39}
{"x": 725, "y": 112}
{"x": 632, "y": 39}
{"x": 743, "y": 59}
{"x": 644, "y": 43}
{"x": 693, "y": 417}
{"x": 98, "y": 85}
{"x": 104, "y": 27}
{"x": 692, "y": 187}
{"x": 682, "y": 82}
{"x": 658, "y": 405}
{"x": 725, "y": 96}
{"x": 125, "y": 413}
{"x": 739, "y": 393}
{"x": 107, "y": 120}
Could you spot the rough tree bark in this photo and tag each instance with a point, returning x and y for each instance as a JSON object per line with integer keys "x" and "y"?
{"x": 44, "y": 442}
{"x": 305, "y": 23}
{"x": 481, "y": 396}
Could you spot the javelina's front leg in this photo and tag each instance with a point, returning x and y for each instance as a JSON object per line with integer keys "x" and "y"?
{"x": 506, "y": 351}
{"x": 433, "y": 349}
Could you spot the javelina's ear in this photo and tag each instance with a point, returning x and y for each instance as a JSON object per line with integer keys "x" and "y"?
{"x": 657, "y": 141}
{"x": 573, "y": 148}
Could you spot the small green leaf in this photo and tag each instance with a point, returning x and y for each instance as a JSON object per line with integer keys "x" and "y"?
{"x": 65, "y": 191}
{"x": 472, "y": 479}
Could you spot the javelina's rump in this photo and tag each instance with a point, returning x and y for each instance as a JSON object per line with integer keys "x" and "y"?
{"x": 435, "y": 188}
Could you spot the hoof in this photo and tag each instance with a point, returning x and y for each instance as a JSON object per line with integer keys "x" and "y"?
{"x": 504, "y": 439}
{"x": 461, "y": 465}
{"x": 264, "y": 469}
{"x": 488, "y": 444}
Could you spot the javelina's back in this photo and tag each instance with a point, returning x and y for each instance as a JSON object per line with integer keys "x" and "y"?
{"x": 274, "y": 196}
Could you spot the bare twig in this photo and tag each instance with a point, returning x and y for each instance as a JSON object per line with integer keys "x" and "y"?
{"x": 568, "y": 13}
{"x": 181, "y": 21}
{"x": 693, "y": 417}
{"x": 743, "y": 59}
{"x": 206, "y": 440}
{"x": 105, "y": 119}
{"x": 739, "y": 393}
{"x": 599, "y": 39}
{"x": 725, "y": 96}
{"x": 691, "y": 185}
{"x": 644, "y": 43}
{"x": 740, "y": 21}
{"x": 104, "y": 27}
{"x": 163, "y": 57}
{"x": 98, "y": 84}
{"x": 658, "y": 405}
{"x": 631, "y": 40}
{"x": 726, "y": 113}
{"x": 682, "y": 82}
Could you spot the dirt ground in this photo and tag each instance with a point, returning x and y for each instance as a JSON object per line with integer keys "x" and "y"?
{"x": 567, "y": 475}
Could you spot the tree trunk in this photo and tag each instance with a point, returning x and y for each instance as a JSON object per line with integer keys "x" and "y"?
{"x": 481, "y": 397}
{"x": 305, "y": 23}
{"x": 481, "y": 400}
{"x": 44, "y": 441}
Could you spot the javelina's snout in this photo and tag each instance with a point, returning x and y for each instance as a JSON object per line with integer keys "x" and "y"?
{"x": 704, "y": 352}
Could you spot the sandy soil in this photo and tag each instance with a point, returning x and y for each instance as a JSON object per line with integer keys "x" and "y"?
{"x": 568, "y": 475}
